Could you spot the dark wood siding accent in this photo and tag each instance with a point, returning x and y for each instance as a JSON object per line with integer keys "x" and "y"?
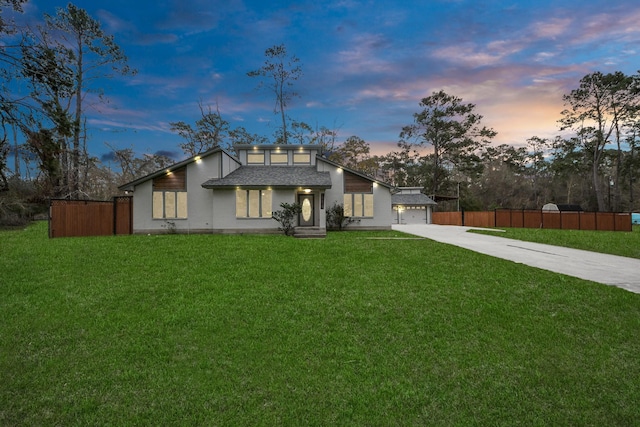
{"x": 176, "y": 181}
{"x": 356, "y": 184}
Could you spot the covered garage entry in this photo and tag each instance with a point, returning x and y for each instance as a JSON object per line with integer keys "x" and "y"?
{"x": 411, "y": 206}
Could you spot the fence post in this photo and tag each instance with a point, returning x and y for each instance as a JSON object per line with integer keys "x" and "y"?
{"x": 114, "y": 202}
{"x": 579, "y": 220}
{"x": 49, "y": 215}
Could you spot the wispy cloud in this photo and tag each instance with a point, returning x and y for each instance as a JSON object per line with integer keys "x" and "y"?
{"x": 364, "y": 55}
{"x": 127, "y": 30}
{"x": 470, "y": 55}
{"x": 112, "y": 125}
{"x": 113, "y": 23}
{"x": 550, "y": 29}
{"x": 192, "y": 16}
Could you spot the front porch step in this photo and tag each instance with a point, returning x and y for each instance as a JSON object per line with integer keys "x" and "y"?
{"x": 310, "y": 233}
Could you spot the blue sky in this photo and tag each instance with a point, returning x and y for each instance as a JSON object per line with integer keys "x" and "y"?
{"x": 366, "y": 64}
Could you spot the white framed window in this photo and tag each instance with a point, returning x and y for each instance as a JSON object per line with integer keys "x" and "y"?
{"x": 358, "y": 205}
{"x": 255, "y": 158}
{"x": 279, "y": 158}
{"x": 169, "y": 205}
{"x": 253, "y": 203}
{"x": 301, "y": 158}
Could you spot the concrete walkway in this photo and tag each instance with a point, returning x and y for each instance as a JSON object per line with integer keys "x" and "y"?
{"x": 611, "y": 270}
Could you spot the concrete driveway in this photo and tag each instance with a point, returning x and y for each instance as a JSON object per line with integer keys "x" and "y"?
{"x": 611, "y": 270}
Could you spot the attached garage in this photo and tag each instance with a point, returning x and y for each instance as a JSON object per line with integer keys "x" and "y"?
{"x": 411, "y": 206}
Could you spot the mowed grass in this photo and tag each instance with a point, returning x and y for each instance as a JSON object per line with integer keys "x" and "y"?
{"x": 270, "y": 330}
{"x": 607, "y": 242}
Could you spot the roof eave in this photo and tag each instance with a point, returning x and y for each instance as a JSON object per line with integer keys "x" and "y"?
{"x": 355, "y": 172}
{"x": 414, "y": 204}
{"x": 129, "y": 186}
{"x": 262, "y": 186}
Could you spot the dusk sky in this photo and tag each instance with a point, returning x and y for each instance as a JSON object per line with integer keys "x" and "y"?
{"x": 366, "y": 64}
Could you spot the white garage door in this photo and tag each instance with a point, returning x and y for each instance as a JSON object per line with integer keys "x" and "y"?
{"x": 410, "y": 215}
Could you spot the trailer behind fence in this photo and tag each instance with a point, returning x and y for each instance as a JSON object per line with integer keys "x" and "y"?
{"x": 522, "y": 218}
{"x": 73, "y": 218}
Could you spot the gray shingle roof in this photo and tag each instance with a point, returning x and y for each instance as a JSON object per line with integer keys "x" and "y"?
{"x": 411, "y": 200}
{"x": 273, "y": 176}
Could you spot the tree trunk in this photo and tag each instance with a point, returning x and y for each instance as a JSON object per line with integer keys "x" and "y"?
{"x": 596, "y": 186}
{"x": 285, "y": 139}
{"x": 569, "y": 188}
{"x": 436, "y": 168}
{"x": 631, "y": 206}
{"x": 75, "y": 188}
{"x": 284, "y": 126}
{"x": 16, "y": 151}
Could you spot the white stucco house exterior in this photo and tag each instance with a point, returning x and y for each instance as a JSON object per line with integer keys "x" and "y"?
{"x": 217, "y": 192}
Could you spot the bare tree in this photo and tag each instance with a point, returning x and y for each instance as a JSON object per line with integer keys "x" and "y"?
{"x": 354, "y": 153}
{"x": 279, "y": 71}
{"x": 211, "y": 131}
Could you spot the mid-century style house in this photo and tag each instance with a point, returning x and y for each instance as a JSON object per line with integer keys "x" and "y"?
{"x": 411, "y": 206}
{"x": 217, "y": 192}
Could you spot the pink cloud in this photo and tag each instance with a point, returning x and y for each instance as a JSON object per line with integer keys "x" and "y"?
{"x": 469, "y": 55}
{"x": 550, "y": 29}
{"x": 608, "y": 25}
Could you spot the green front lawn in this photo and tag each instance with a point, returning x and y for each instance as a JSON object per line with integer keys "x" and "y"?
{"x": 607, "y": 242}
{"x": 271, "y": 330}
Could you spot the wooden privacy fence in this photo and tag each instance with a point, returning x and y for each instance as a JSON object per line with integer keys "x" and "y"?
{"x": 519, "y": 218}
{"x": 447, "y": 218}
{"x": 72, "y": 218}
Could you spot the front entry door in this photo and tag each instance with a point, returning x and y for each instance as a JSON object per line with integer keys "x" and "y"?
{"x": 305, "y": 219}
